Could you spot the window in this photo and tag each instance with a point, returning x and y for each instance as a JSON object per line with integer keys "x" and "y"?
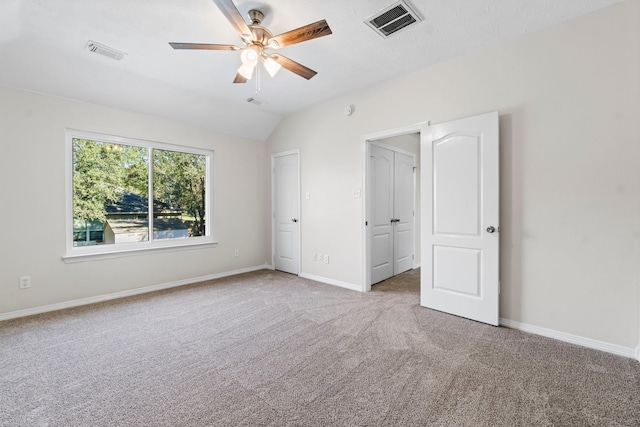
{"x": 126, "y": 194}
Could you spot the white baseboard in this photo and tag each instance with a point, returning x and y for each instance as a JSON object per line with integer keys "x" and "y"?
{"x": 345, "y": 285}
{"x": 573, "y": 339}
{"x": 123, "y": 294}
{"x": 638, "y": 353}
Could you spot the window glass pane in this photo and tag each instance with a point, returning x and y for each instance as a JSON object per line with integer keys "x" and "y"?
{"x": 110, "y": 193}
{"x": 133, "y": 192}
{"x": 179, "y": 194}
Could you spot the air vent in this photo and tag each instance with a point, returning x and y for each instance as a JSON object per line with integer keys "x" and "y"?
{"x": 256, "y": 101}
{"x": 104, "y": 50}
{"x": 392, "y": 19}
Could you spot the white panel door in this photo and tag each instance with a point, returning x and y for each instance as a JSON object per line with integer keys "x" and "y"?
{"x": 286, "y": 205}
{"x": 460, "y": 196}
{"x": 391, "y": 175}
{"x": 381, "y": 165}
{"x": 403, "y": 213}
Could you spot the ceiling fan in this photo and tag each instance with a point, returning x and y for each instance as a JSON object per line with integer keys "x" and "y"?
{"x": 257, "y": 40}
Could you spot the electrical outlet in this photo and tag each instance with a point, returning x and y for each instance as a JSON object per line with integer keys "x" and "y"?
{"x": 25, "y": 282}
{"x": 320, "y": 256}
{"x": 236, "y": 253}
{"x": 325, "y": 259}
{"x": 314, "y": 257}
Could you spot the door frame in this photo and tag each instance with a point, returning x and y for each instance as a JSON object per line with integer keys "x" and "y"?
{"x": 366, "y": 142}
{"x": 273, "y": 207}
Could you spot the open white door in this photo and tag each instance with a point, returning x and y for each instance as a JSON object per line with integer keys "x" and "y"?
{"x": 403, "y": 172}
{"x": 460, "y": 212}
{"x": 381, "y": 162}
{"x": 286, "y": 202}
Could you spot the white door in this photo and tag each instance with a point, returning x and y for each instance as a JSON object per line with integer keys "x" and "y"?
{"x": 391, "y": 212}
{"x": 460, "y": 196}
{"x": 286, "y": 217}
{"x": 381, "y": 164}
{"x": 403, "y": 213}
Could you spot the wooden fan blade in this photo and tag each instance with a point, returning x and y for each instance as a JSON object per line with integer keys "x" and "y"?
{"x": 203, "y": 46}
{"x": 308, "y": 32}
{"x": 230, "y": 11}
{"x": 239, "y": 79}
{"x": 294, "y": 66}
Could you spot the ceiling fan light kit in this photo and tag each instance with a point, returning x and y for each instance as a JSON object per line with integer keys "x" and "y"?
{"x": 245, "y": 71}
{"x": 249, "y": 56}
{"x": 271, "y": 65}
{"x": 257, "y": 39}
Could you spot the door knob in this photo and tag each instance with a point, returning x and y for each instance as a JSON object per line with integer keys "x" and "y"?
{"x": 491, "y": 229}
{"x": 294, "y": 220}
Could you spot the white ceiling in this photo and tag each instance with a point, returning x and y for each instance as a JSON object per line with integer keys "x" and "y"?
{"x": 42, "y": 48}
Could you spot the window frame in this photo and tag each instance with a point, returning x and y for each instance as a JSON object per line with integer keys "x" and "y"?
{"x": 91, "y": 252}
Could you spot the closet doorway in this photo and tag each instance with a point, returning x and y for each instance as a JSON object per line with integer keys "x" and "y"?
{"x": 391, "y": 205}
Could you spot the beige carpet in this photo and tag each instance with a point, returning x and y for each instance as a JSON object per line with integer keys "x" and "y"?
{"x": 268, "y": 348}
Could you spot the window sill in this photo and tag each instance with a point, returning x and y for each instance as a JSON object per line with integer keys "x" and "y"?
{"x": 125, "y": 252}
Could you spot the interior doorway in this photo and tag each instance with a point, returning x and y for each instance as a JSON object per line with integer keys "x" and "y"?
{"x": 391, "y": 217}
{"x": 392, "y": 203}
{"x": 459, "y": 199}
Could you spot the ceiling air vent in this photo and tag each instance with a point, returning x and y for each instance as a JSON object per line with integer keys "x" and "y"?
{"x": 104, "y": 50}
{"x": 256, "y": 101}
{"x": 392, "y": 19}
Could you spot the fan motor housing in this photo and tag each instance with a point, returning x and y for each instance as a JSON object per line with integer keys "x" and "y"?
{"x": 260, "y": 35}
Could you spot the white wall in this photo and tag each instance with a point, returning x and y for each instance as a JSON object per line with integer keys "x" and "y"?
{"x": 569, "y": 104}
{"x": 32, "y": 188}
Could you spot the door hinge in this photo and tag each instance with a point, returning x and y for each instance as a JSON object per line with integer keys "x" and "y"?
{"x": 366, "y": 223}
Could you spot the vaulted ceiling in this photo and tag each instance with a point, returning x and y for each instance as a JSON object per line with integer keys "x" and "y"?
{"x": 43, "y": 49}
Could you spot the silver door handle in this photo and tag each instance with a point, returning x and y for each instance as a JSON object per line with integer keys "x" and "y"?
{"x": 491, "y": 229}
